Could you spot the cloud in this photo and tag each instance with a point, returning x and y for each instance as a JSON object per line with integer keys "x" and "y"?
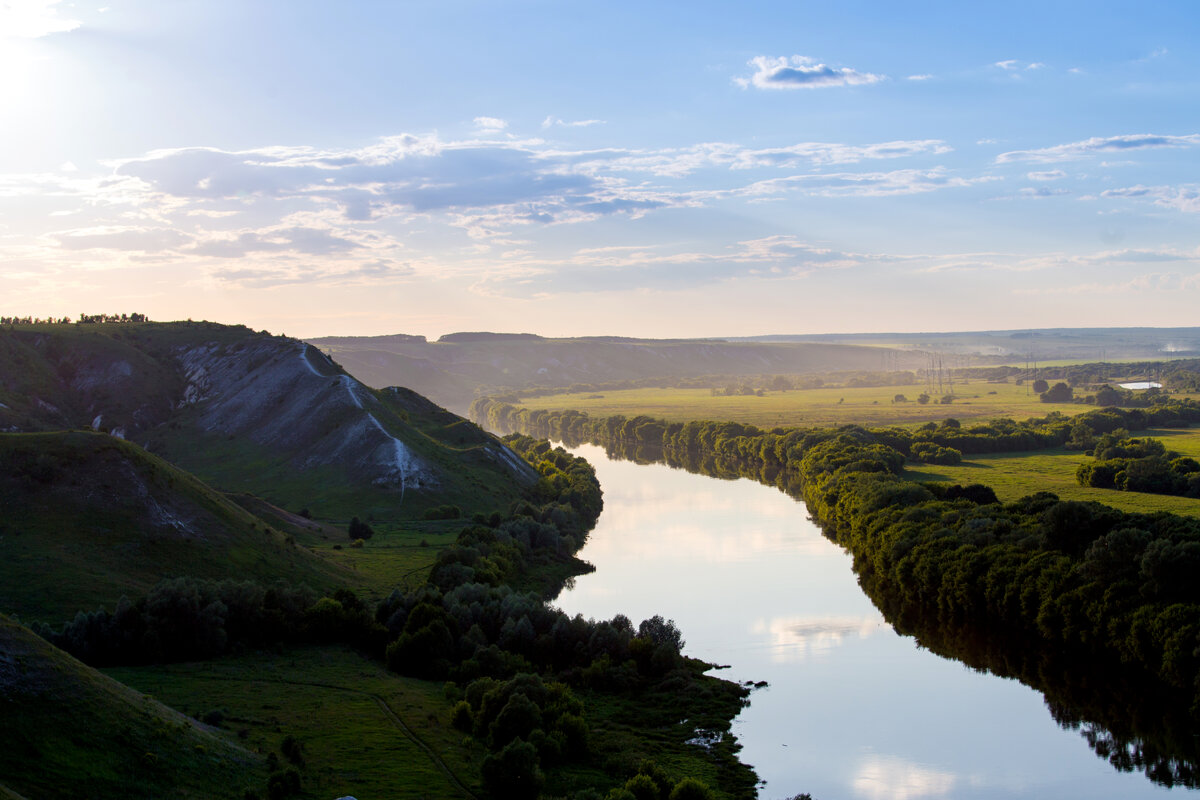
{"x": 1181, "y": 198}
{"x": 867, "y": 184}
{"x": 550, "y": 122}
{"x": 490, "y": 124}
{"x": 1009, "y": 64}
{"x": 32, "y": 19}
{"x": 306, "y": 241}
{"x": 1043, "y": 191}
{"x": 801, "y": 72}
{"x": 624, "y": 267}
{"x": 881, "y": 777}
{"x": 1049, "y": 175}
{"x": 130, "y": 239}
{"x": 1095, "y": 145}
{"x": 1160, "y": 282}
{"x": 923, "y": 77}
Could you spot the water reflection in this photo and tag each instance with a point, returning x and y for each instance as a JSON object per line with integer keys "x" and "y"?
{"x": 753, "y": 583}
{"x": 892, "y": 778}
{"x": 795, "y": 639}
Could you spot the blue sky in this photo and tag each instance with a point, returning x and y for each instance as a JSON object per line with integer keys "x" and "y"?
{"x": 571, "y": 168}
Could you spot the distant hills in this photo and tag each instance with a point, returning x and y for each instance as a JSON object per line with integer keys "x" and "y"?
{"x": 1041, "y": 344}
{"x": 455, "y": 368}
{"x": 460, "y": 366}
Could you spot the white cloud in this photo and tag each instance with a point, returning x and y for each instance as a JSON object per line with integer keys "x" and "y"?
{"x": 1097, "y": 144}
{"x": 1013, "y": 65}
{"x": 1043, "y": 191}
{"x": 867, "y": 184}
{"x": 551, "y": 121}
{"x": 923, "y": 77}
{"x": 1049, "y": 175}
{"x": 32, "y": 19}
{"x": 1181, "y": 198}
{"x": 801, "y": 72}
{"x": 490, "y": 124}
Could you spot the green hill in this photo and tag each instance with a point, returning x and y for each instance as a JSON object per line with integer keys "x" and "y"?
{"x": 91, "y": 737}
{"x": 89, "y": 517}
{"x": 251, "y": 412}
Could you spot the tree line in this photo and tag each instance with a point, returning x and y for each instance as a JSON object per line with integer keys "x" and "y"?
{"x": 84, "y": 319}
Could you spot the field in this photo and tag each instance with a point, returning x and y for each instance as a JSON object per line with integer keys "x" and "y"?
{"x": 363, "y": 731}
{"x": 1014, "y": 475}
{"x": 814, "y": 407}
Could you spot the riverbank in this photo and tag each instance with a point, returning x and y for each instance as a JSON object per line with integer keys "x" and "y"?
{"x": 1033, "y": 576}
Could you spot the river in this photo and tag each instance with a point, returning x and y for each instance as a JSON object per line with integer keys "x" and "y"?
{"x": 852, "y": 709}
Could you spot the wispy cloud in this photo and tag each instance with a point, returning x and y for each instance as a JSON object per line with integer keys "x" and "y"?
{"x": 1096, "y": 145}
{"x": 490, "y": 124}
{"x": 922, "y": 77}
{"x": 868, "y": 184}
{"x": 1048, "y": 175}
{"x": 1181, "y": 198}
{"x": 33, "y": 19}
{"x": 552, "y": 121}
{"x": 1043, "y": 191}
{"x": 1013, "y": 65}
{"x": 801, "y": 72}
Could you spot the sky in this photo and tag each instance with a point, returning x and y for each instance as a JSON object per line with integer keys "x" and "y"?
{"x": 588, "y": 168}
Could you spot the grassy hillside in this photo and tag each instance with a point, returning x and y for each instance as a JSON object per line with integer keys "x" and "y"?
{"x": 363, "y": 731}
{"x": 89, "y": 517}
{"x": 251, "y": 412}
{"x": 91, "y": 737}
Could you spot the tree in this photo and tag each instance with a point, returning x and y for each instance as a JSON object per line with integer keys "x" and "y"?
{"x": 1040, "y": 385}
{"x": 922, "y": 398}
{"x": 359, "y": 529}
{"x": 780, "y": 384}
{"x": 513, "y": 772}
{"x": 1059, "y": 393}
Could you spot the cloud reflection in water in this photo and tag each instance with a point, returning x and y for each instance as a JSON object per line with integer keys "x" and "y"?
{"x": 795, "y": 639}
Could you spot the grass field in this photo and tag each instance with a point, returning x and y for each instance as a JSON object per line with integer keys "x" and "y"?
{"x": 813, "y": 407}
{"x": 1014, "y": 475}
{"x": 364, "y": 732}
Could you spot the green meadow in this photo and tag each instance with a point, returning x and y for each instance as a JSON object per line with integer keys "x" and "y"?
{"x": 1015, "y": 475}
{"x": 870, "y": 406}
{"x": 361, "y": 730}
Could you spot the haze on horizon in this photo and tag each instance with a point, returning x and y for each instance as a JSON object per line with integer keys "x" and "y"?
{"x": 676, "y": 170}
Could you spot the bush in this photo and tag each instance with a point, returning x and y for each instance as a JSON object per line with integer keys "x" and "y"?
{"x": 691, "y": 789}
{"x": 513, "y": 773}
{"x": 461, "y": 717}
{"x": 443, "y": 512}
{"x": 359, "y": 529}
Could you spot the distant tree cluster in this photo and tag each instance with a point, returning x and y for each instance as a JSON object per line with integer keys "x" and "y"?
{"x": 35, "y": 321}
{"x": 1139, "y": 465}
{"x": 92, "y": 319}
{"x": 84, "y": 319}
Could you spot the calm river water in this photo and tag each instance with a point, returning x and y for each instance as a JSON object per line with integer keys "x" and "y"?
{"x": 853, "y": 710}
